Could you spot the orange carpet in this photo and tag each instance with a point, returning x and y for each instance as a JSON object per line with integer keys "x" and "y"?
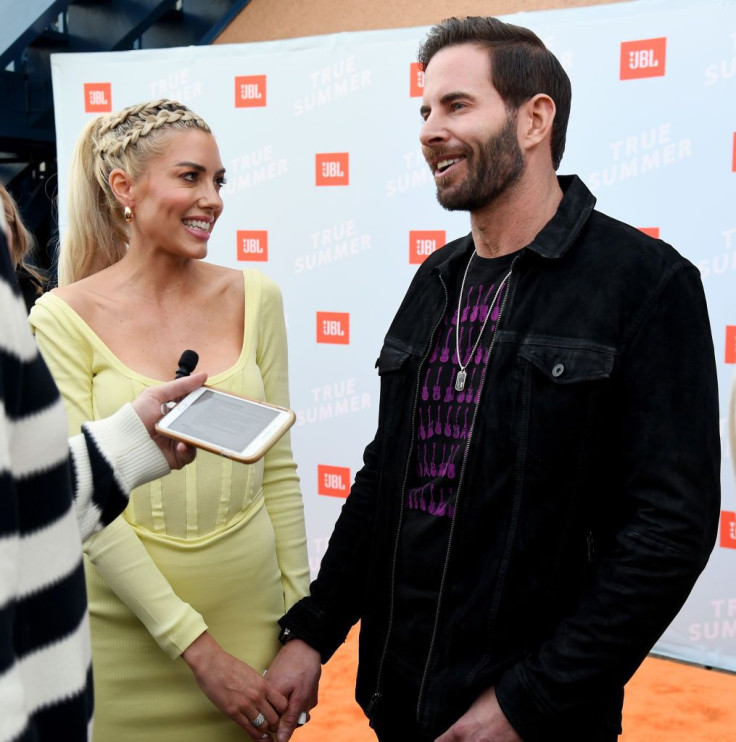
{"x": 665, "y": 702}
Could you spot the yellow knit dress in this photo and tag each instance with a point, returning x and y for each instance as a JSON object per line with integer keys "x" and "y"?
{"x": 218, "y": 545}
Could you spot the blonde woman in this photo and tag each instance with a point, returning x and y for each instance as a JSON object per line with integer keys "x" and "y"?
{"x": 185, "y": 588}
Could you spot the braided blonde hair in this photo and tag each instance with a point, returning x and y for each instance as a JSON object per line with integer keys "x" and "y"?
{"x": 97, "y": 234}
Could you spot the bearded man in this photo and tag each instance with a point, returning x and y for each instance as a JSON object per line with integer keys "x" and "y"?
{"x": 543, "y": 488}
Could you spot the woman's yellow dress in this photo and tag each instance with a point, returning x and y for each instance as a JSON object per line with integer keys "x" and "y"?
{"x": 217, "y": 546}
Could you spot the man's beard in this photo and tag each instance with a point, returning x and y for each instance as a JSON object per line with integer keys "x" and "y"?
{"x": 497, "y": 165}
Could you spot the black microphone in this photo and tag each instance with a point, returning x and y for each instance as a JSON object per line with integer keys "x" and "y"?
{"x": 187, "y": 363}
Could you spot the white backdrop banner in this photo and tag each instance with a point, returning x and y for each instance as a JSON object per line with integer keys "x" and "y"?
{"x": 328, "y": 193}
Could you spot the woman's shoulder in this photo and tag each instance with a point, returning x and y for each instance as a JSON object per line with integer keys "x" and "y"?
{"x": 217, "y": 285}
{"x": 84, "y": 305}
{"x": 263, "y": 281}
{"x": 83, "y": 294}
{"x": 50, "y": 304}
{"x": 54, "y": 315}
{"x": 70, "y": 295}
{"x": 220, "y": 276}
{"x": 254, "y": 281}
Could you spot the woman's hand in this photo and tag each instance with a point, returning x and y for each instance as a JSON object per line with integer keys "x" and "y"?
{"x": 234, "y": 687}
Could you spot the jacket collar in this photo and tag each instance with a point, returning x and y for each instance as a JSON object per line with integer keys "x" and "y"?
{"x": 556, "y": 236}
{"x": 564, "y": 227}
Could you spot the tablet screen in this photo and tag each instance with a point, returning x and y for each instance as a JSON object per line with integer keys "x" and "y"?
{"x": 224, "y": 421}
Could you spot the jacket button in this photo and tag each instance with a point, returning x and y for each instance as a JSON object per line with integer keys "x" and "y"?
{"x": 557, "y": 370}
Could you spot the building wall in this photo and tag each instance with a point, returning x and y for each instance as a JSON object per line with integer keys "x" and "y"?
{"x": 266, "y": 20}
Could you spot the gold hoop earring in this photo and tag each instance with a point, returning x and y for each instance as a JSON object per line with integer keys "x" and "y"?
{"x": 128, "y": 214}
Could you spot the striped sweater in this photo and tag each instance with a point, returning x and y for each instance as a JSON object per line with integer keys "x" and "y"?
{"x": 54, "y": 491}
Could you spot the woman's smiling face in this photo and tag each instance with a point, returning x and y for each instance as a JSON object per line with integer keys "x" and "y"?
{"x": 177, "y": 201}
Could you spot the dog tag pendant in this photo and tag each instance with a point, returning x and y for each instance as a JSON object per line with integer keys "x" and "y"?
{"x": 460, "y": 381}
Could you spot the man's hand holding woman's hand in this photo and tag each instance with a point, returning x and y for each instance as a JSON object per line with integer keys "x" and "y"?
{"x": 295, "y": 671}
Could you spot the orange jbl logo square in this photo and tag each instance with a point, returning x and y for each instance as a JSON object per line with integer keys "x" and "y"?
{"x": 416, "y": 80}
{"x": 422, "y": 244}
{"x": 651, "y": 231}
{"x": 333, "y": 327}
{"x": 250, "y": 91}
{"x": 644, "y": 58}
{"x": 730, "y": 343}
{"x": 728, "y": 530}
{"x": 332, "y": 169}
{"x": 333, "y": 481}
{"x": 97, "y": 97}
{"x": 252, "y": 245}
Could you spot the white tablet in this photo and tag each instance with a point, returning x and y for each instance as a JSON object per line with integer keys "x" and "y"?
{"x": 226, "y": 424}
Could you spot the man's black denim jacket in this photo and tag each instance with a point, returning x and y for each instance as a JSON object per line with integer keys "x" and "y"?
{"x": 589, "y": 500}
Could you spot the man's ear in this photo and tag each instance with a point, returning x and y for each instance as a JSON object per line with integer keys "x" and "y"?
{"x": 535, "y": 119}
{"x": 121, "y": 185}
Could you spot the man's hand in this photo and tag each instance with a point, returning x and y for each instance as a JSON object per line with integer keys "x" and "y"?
{"x": 147, "y": 406}
{"x": 295, "y": 672}
{"x": 482, "y": 722}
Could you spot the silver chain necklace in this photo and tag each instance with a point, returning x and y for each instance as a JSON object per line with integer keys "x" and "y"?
{"x": 462, "y": 373}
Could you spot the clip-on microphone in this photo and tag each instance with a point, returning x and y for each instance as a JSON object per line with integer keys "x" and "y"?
{"x": 187, "y": 363}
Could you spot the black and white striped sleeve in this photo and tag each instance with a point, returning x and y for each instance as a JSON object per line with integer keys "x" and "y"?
{"x": 110, "y": 458}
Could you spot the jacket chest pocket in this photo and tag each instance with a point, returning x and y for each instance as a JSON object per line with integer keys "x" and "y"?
{"x": 561, "y": 390}
{"x": 392, "y": 359}
{"x": 397, "y": 368}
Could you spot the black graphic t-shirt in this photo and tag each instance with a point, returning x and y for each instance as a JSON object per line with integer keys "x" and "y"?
{"x": 444, "y": 419}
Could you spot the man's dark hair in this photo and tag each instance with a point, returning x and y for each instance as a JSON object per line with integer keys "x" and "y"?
{"x": 521, "y": 65}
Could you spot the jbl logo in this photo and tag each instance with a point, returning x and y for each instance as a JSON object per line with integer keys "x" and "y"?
{"x": 332, "y": 169}
{"x": 97, "y": 97}
{"x": 252, "y": 245}
{"x": 423, "y": 243}
{"x": 651, "y": 231}
{"x": 728, "y": 530}
{"x": 730, "y": 343}
{"x": 333, "y": 327}
{"x": 333, "y": 481}
{"x": 416, "y": 80}
{"x": 250, "y": 91}
{"x": 645, "y": 58}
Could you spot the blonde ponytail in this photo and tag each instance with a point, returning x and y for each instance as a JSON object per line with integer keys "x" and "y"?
{"x": 96, "y": 236}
